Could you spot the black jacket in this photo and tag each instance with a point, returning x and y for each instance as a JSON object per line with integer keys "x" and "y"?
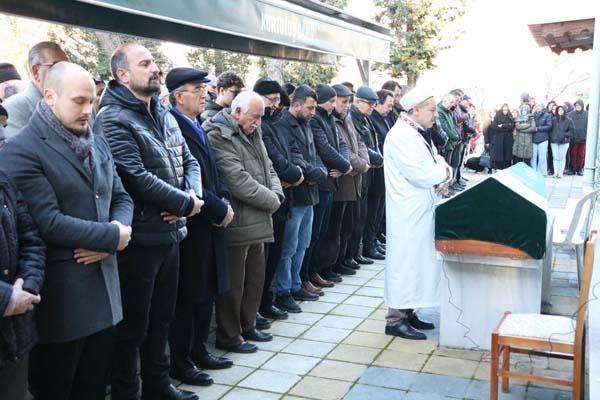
{"x": 562, "y": 130}
{"x": 382, "y": 127}
{"x": 579, "y": 119}
{"x": 72, "y": 209}
{"x": 153, "y": 161}
{"x": 367, "y": 132}
{"x": 331, "y": 147}
{"x": 307, "y": 193}
{"x": 203, "y": 271}
{"x": 210, "y": 109}
{"x": 22, "y": 255}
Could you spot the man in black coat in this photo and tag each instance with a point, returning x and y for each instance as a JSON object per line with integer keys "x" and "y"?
{"x": 22, "y": 257}
{"x": 398, "y": 90}
{"x": 333, "y": 151}
{"x": 163, "y": 178}
{"x": 364, "y": 103}
{"x": 68, "y": 179}
{"x": 203, "y": 270}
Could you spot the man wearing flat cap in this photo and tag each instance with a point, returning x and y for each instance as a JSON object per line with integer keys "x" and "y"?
{"x": 164, "y": 181}
{"x": 415, "y": 177}
{"x": 203, "y": 271}
{"x": 365, "y": 101}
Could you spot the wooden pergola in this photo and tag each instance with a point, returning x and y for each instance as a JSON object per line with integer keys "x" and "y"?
{"x": 564, "y": 35}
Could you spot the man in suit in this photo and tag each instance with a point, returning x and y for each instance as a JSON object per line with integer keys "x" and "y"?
{"x": 20, "y": 107}
{"x": 163, "y": 178}
{"x": 68, "y": 179}
{"x": 203, "y": 271}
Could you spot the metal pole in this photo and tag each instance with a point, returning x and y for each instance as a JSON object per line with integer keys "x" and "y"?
{"x": 591, "y": 151}
{"x": 365, "y": 71}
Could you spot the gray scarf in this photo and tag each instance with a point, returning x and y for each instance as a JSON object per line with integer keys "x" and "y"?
{"x": 82, "y": 146}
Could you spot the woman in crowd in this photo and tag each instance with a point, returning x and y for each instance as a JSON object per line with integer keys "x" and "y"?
{"x": 525, "y": 128}
{"x": 501, "y": 134}
{"x": 560, "y": 136}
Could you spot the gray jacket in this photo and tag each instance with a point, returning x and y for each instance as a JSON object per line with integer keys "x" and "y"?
{"x": 72, "y": 209}
{"x": 20, "y": 107}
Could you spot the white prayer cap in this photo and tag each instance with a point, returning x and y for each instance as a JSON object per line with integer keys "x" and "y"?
{"x": 415, "y": 97}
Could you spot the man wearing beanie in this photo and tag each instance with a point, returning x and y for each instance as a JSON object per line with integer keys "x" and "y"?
{"x": 372, "y": 183}
{"x": 333, "y": 151}
{"x": 20, "y": 107}
{"x": 9, "y": 79}
{"x": 344, "y": 209}
{"x": 288, "y": 171}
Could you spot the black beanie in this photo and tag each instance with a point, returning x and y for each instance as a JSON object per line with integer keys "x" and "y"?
{"x": 325, "y": 93}
{"x": 265, "y": 86}
{"x": 8, "y": 72}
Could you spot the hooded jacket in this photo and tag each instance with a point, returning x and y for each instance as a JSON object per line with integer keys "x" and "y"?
{"x": 245, "y": 166}
{"x": 562, "y": 129}
{"x": 153, "y": 161}
{"x": 579, "y": 119}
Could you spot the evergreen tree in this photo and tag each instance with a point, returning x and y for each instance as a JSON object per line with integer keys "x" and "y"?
{"x": 219, "y": 61}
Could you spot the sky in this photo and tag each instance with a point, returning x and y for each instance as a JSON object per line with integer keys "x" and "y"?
{"x": 496, "y": 58}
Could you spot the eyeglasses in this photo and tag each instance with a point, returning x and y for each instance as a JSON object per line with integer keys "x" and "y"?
{"x": 49, "y": 65}
{"x": 195, "y": 91}
{"x": 370, "y": 103}
{"x": 273, "y": 99}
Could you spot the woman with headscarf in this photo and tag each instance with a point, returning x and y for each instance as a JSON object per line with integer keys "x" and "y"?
{"x": 525, "y": 128}
{"x": 502, "y": 138}
{"x": 560, "y": 136}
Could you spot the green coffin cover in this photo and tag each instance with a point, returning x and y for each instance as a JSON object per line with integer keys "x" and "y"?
{"x": 508, "y": 208}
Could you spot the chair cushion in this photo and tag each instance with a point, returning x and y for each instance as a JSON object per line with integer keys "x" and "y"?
{"x": 547, "y": 327}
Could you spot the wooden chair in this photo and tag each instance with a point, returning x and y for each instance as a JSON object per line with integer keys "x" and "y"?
{"x": 544, "y": 335}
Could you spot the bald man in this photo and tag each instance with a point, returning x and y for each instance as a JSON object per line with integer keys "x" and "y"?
{"x": 164, "y": 181}
{"x": 78, "y": 202}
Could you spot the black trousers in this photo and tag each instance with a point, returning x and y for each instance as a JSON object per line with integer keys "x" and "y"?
{"x": 13, "y": 379}
{"x": 311, "y": 264}
{"x": 349, "y": 221}
{"x": 189, "y": 331}
{"x": 273, "y": 254}
{"x": 359, "y": 223}
{"x": 329, "y": 250}
{"x": 149, "y": 276}
{"x": 375, "y": 212}
{"x": 74, "y": 370}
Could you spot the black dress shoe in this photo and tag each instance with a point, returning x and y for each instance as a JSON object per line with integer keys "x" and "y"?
{"x": 192, "y": 376}
{"x": 350, "y": 263}
{"x": 257, "y": 336}
{"x": 210, "y": 361}
{"x": 273, "y": 312}
{"x": 343, "y": 270}
{"x": 287, "y": 303}
{"x": 170, "y": 393}
{"x": 404, "y": 330}
{"x": 331, "y": 276}
{"x": 363, "y": 260}
{"x": 304, "y": 295}
{"x": 415, "y": 322}
{"x": 375, "y": 255}
{"x": 262, "y": 323}
{"x": 243, "y": 347}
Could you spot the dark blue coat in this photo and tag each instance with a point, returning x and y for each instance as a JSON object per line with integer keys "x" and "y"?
{"x": 543, "y": 123}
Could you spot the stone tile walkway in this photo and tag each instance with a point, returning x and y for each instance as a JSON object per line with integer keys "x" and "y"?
{"x": 336, "y": 348}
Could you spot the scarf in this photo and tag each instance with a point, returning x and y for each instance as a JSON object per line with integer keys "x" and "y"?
{"x": 82, "y": 146}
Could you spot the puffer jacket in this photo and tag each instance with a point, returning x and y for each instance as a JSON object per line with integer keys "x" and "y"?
{"x": 562, "y": 130}
{"x": 543, "y": 123}
{"x": 523, "y": 144}
{"x": 447, "y": 125}
{"x": 153, "y": 161}
{"x": 579, "y": 119}
{"x": 22, "y": 255}
{"x": 245, "y": 166}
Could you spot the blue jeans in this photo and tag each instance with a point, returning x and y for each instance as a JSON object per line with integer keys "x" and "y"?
{"x": 538, "y": 161}
{"x": 296, "y": 239}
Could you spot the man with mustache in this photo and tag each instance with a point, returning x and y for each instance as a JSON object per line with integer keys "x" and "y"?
{"x": 163, "y": 178}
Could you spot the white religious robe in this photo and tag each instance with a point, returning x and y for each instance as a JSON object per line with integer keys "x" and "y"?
{"x": 412, "y": 169}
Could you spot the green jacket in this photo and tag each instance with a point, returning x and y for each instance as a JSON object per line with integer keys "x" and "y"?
{"x": 448, "y": 126}
{"x": 245, "y": 167}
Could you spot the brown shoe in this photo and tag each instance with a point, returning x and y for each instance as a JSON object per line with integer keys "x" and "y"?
{"x": 318, "y": 281}
{"x": 310, "y": 288}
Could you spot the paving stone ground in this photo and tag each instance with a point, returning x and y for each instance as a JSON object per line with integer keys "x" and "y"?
{"x": 336, "y": 348}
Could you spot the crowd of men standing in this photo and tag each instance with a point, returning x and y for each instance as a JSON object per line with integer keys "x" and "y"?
{"x": 126, "y": 221}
